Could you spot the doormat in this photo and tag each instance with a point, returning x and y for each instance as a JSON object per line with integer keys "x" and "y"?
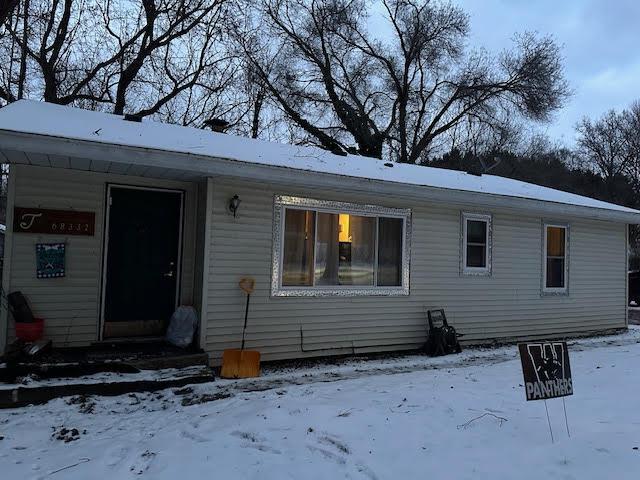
{"x": 50, "y": 260}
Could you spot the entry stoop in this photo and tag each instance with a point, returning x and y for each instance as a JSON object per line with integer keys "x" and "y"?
{"x": 108, "y": 369}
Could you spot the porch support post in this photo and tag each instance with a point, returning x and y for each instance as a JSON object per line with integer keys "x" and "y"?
{"x": 626, "y": 275}
{"x": 208, "y": 222}
{"x": 8, "y": 249}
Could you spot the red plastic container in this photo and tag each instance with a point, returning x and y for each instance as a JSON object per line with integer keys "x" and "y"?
{"x": 30, "y": 332}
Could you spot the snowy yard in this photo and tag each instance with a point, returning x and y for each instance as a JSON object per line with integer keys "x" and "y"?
{"x": 401, "y": 418}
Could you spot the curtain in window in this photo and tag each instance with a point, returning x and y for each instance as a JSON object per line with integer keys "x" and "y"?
{"x": 389, "y": 251}
{"x": 556, "y": 240}
{"x": 345, "y": 251}
{"x": 299, "y": 240}
{"x": 357, "y": 255}
{"x": 327, "y": 249}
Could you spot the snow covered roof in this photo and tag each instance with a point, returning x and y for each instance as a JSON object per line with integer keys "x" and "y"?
{"x": 44, "y": 119}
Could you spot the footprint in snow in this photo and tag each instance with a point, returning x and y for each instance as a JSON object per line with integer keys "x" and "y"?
{"x": 327, "y": 454}
{"x": 336, "y": 452}
{"x": 263, "y": 448}
{"x": 246, "y": 436}
{"x": 334, "y": 442}
{"x": 367, "y": 472}
{"x": 254, "y": 441}
{"x": 143, "y": 463}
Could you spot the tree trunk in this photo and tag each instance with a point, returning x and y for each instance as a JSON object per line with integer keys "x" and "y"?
{"x": 257, "y": 108}
{"x": 23, "y": 54}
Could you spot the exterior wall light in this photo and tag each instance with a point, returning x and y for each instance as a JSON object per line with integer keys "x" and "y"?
{"x": 234, "y": 204}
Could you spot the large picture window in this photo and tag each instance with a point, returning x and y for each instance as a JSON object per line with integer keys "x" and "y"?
{"x": 336, "y": 248}
{"x": 555, "y": 265}
{"x": 476, "y": 244}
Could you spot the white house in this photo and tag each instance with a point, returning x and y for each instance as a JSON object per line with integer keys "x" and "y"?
{"x": 346, "y": 251}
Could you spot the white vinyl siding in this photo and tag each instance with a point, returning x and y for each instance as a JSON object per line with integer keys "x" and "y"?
{"x": 71, "y": 305}
{"x": 505, "y": 305}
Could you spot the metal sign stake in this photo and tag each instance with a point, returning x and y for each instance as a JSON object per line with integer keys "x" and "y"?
{"x": 549, "y": 421}
{"x": 566, "y": 422}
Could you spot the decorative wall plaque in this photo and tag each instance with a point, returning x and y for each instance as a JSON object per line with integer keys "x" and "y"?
{"x": 50, "y": 260}
{"x": 55, "y": 222}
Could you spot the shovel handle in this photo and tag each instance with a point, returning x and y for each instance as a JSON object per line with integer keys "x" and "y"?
{"x": 246, "y": 315}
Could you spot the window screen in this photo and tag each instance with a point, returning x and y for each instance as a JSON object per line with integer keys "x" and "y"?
{"x": 299, "y": 242}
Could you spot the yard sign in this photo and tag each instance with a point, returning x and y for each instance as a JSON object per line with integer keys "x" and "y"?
{"x": 546, "y": 370}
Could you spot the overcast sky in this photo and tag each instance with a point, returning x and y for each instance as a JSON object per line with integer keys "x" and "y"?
{"x": 600, "y": 41}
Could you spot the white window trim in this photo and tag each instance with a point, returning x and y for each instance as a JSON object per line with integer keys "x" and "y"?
{"x": 488, "y": 219}
{"x": 282, "y": 202}
{"x": 555, "y": 290}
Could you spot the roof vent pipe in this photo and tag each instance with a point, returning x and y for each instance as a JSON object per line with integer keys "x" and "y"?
{"x": 218, "y": 125}
{"x": 131, "y": 117}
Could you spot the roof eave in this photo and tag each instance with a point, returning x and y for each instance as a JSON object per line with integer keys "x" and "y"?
{"x": 204, "y": 166}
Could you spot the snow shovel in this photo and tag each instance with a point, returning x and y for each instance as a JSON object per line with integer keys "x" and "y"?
{"x": 241, "y": 363}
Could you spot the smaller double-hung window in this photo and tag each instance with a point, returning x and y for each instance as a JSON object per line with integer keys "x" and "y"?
{"x": 476, "y": 244}
{"x": 555, "y": 266}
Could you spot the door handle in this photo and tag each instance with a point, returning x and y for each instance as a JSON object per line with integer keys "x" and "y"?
{"x": 171, "y": 272}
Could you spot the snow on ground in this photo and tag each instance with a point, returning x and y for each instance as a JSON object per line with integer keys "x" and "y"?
{"x": 454, "y": 417}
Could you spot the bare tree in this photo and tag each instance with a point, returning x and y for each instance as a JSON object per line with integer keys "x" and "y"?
{"x": 148, "y": 57}
{"x": 632, "y": 136}
{"x": 320, "y": 83}
{"x": 172, "y": 50}
{"x": 7, "y": 48}
{"x": 604, "y": 143}
{"x": 63, "y": 40}
{"x": 631, "y": 130}
{"x": 348, "y": 89}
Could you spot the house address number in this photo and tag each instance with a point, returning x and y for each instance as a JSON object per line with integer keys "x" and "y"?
{"x": 61, "y": 222}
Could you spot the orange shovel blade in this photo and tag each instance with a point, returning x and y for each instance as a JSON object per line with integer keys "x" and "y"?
{"x": 240, "y": 363}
